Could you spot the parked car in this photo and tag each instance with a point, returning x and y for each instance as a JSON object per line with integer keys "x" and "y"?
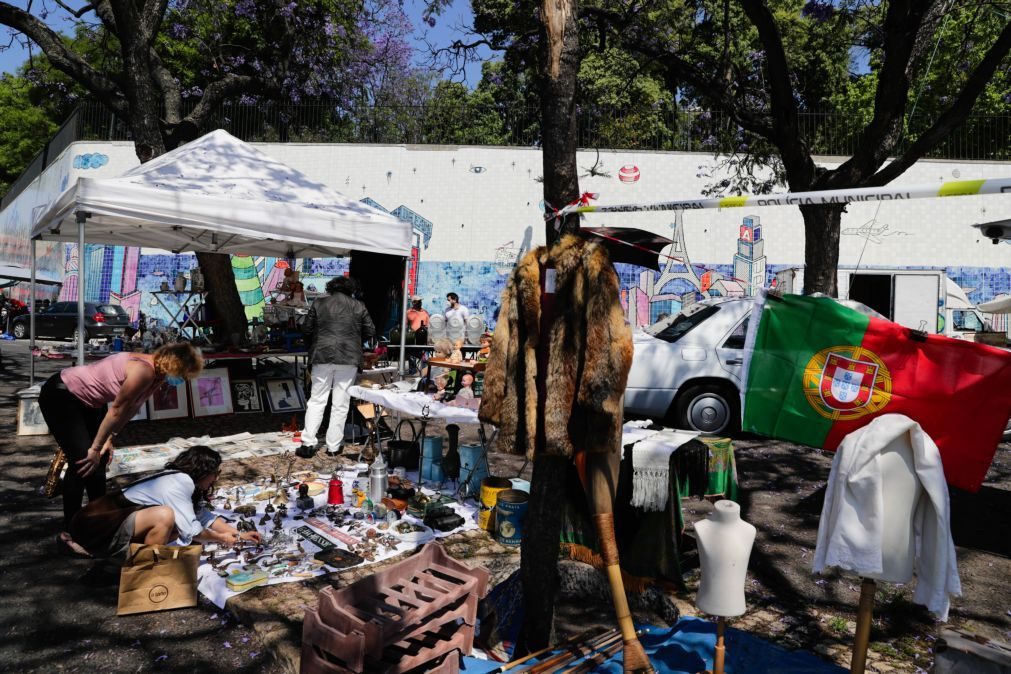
{"x": 60, "y": 321}
{"x": 686, "y": 369}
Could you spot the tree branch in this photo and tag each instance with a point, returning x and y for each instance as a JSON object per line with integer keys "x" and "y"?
{"x": 63, "y": 58}
{"x": 786, "y": 126}
{"x": 216, "y": 92}
{"x": 903, "y": 30}
{"x": 76, "y": 13}
{"x": 954, "y": 115}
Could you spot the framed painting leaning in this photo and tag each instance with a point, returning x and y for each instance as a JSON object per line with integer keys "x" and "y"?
{"x": 211, "y": 393}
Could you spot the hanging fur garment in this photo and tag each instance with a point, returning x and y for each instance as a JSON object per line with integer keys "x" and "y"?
{"x": 590, "y": 353}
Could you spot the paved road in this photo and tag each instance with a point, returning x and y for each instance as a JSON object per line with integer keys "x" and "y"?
{"x": 49, "y": 620}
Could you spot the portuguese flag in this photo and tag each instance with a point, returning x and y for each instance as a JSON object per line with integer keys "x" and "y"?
{"x": 818, "y": 370}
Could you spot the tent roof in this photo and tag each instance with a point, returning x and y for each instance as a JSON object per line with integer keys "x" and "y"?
{"x": 13, "y": 272}
{"x": 218, "y": 194}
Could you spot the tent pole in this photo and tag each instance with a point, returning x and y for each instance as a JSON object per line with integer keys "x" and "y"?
{"x": 31, "y": 321}
{"x": 82, "y": 217}
{"x": 403, "y": 316}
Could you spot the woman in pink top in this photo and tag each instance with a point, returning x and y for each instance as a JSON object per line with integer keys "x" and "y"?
{"x": 74, "y": 401}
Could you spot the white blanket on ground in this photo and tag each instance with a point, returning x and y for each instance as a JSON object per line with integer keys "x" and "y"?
{"x": 850, "y": 532}
{"x": 651, "y": 468}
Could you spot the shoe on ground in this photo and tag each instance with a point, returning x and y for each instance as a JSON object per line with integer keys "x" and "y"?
{"x": 66, "y": 546}
{"x": 306, "y": 451}
{"x": 335, "y": 452}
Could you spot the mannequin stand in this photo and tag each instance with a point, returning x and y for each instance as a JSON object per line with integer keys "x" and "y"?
{"x": 721, "y": 649}
{"x": 865, "y": 614}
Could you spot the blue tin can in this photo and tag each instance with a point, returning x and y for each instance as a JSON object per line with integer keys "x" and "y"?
{"x": 510, "y": 513}
{"x": 431, "y": 453}
{"x": 473, "y": 467}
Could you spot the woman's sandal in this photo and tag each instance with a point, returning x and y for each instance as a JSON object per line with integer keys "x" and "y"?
{"x": 65, "y": 545}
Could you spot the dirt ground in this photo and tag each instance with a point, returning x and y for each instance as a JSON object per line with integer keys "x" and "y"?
{"x": 51, "y": 621}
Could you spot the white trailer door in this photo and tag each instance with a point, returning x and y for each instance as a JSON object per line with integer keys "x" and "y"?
{"x": 915, "y": 300}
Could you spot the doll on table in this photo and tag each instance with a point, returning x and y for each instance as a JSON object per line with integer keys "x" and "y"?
{"x": 485, "y": 350}
{"x": 466, "y": 386}
{"x": 456, "y": 356}
{"x": 440, "y": 388}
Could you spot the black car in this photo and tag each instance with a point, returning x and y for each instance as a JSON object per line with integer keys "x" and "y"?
{"x": 60, "y": 321}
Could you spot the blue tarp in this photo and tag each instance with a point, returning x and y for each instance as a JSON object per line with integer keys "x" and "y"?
{"x": 687, "y": 648}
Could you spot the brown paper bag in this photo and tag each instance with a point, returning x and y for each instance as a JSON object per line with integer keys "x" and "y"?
{"x": 158, "y": 578}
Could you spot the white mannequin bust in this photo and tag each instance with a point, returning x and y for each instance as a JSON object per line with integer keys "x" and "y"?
{"x": 901, "y": 493}
{"x": 725, "y": 542}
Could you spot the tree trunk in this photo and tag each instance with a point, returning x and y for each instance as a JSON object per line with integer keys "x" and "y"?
{"x": 539, "y": 553}
{"x": 539, "y": 556}
{"x": 821, "y": 248}
{"x": 558, "y": 109}
{"x": 223, "y": 296}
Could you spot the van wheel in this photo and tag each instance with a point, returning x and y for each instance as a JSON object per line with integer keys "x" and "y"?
{"x": 73, "y": 337}
{"x": 20, "y": 331}
{"x": 709, "y": 408}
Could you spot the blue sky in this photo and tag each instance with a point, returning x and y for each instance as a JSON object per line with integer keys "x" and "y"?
{"x": 445, "y": 31}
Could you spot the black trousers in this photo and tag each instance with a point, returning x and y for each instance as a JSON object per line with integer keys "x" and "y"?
{"x": 74, "y": 425}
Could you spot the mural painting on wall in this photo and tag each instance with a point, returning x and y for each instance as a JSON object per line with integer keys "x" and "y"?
{"x": 648, "y": 295}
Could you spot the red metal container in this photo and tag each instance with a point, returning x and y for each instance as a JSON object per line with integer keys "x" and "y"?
{"x": 335, "y": 496}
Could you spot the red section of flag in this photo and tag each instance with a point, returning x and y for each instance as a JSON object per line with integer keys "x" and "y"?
{"x": 958, "y": 391}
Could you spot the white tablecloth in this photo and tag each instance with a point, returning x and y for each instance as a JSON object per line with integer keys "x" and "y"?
{"x": 414, "y": 404}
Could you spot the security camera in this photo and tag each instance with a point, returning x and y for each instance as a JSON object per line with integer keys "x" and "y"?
{"x": 997, "y": 231}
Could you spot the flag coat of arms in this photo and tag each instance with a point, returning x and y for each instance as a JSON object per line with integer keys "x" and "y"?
{"x": 817, "y": 370}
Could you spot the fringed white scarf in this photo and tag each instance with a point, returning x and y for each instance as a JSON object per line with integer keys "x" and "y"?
{"x": 651, "y": 468}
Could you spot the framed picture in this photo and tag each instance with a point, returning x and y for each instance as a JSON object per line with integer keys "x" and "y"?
{"x": 283, "y": 394}
{"x": 211, "y": 393}
{"x": 141, "y": 413}
{"x": 169, "y": 402}
{"x": 246, "y": 396}
{"x": 30, "y": 419}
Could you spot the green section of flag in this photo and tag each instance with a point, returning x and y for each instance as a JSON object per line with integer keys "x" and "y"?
{"x": 791, "y": 331}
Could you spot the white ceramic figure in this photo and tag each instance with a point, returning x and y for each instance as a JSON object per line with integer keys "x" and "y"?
{"x": 725, "y": 542}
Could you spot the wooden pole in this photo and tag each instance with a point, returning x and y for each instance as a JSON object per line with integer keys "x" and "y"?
{"x": 721, "y": 649}
{"x": 577, "y": 638}
{"x": 865, "y": 614}
{"x": 581, "y": 650}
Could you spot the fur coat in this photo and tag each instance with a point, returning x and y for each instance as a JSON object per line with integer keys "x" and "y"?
{"x": 589, "y": 355}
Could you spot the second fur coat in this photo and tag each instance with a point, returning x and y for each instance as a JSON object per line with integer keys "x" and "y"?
{"x": 590, "y": 353}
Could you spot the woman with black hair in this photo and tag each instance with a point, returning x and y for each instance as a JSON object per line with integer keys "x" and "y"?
{"x": 158, "y": 509}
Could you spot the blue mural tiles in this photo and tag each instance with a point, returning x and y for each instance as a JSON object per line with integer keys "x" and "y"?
{"x": 152, "y": 270}
{"x": 479, "y": 285}
{"x": 982, "y": 284}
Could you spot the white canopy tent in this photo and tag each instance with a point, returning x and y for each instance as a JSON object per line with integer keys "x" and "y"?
{"x": 217, "y": 194}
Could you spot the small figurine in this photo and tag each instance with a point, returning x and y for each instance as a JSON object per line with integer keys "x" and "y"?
{"x": 228, "y": 504}
{"x": 441, "y": 383}
{"x": 456, "y": 355}
{"x": 264, "y": 520}
{"x": 270, "y": 508}
{"x": 304, "y": 501}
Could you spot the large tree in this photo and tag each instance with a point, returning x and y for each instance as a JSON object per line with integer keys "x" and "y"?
{"x": 168, "y": 64}
{"x": 750, "y": 59}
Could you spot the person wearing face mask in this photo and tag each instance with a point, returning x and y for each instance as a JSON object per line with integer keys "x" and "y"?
{"x": 73, "y": 403}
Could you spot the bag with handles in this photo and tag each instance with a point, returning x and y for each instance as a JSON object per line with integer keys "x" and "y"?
{"x": 158, "y": 578}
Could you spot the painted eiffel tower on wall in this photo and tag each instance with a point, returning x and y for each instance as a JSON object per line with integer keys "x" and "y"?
{"x": 659, "y": 293}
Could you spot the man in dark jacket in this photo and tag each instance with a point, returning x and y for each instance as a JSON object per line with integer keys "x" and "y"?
{"x": 337, "y": 325}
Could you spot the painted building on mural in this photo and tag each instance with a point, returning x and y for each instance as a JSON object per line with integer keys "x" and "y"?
{"x": 476, "y": 210}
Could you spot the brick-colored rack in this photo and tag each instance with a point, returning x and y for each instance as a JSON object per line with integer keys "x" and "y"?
{"x": 406, "y": 616}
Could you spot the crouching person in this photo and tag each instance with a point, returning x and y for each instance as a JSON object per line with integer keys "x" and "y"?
{"x": 156, "y": 510}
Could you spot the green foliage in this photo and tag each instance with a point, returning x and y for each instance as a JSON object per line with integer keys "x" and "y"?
{"x": 455, "y": 115}
{"x": 25, "y": 127}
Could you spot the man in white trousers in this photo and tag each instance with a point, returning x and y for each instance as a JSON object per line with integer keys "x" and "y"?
{"x": 337, "y": 324}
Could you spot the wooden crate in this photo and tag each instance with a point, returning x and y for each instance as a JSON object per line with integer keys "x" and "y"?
{"x": 396, "y": 620}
